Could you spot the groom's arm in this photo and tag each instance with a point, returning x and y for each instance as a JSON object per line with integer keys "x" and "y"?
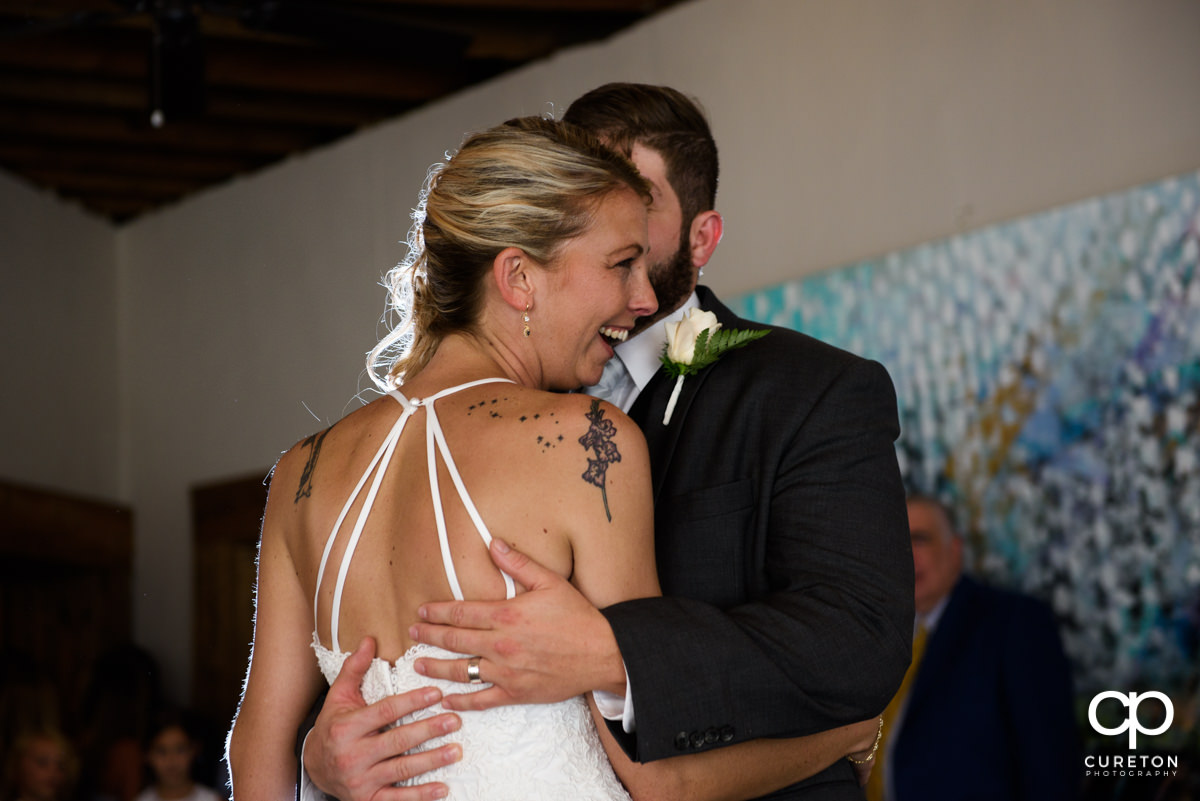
{"x": 826, "y": 641}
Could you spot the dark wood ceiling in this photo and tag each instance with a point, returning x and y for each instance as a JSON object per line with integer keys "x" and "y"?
{"x": 239, "y": 84}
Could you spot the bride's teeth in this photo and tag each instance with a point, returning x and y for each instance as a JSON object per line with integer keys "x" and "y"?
{"x": 618, "y": 334}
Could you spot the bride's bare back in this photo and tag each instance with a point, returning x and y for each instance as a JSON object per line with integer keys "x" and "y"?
{"x": 555, "y": 475}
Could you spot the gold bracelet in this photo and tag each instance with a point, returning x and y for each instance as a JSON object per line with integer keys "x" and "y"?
{"x": 874, "y": 748}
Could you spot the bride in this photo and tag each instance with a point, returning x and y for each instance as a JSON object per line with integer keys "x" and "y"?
{"x": 527, "y": 262}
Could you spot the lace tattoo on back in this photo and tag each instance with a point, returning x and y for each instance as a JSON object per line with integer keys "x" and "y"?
{"x": 599, "y": 438}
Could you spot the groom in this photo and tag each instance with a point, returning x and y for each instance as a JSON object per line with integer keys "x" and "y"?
{"x": 780, "y": 525}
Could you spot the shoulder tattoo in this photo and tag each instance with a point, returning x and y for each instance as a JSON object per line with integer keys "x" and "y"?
{"x": 486, "y": 406}
{"x": 314, "y": 443}
{"x": 599, "y": 439}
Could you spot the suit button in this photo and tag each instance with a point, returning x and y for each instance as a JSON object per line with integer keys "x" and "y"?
{"x": 711, "y": 736}
{"x": 681, "y": 741}
{"x": 726, "y": 733}
{"x": 697, "y": 739}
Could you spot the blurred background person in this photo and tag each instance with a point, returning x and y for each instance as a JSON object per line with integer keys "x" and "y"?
{"x": 172, "y": 751}
{"x": 122, "y": 697}
{"x": 986, "y": 708}
{"x": 40, "y": 766}
{"x": 29, "y": 700}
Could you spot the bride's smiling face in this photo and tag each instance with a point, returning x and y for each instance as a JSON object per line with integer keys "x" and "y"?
{"x": 595, "y": 289}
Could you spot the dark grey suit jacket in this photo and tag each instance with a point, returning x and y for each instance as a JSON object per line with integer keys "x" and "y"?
{"x": 783, "y": 552}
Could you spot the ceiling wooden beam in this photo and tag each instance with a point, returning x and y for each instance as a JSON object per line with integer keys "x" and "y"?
{"x": 82, "y": 92}
{"x": 75, "y": 53}
{"x": 65, "y": 128}
{"x": 75, "y": 113}
{"x": 235, "y": 64}
{"x": 639, "y": 7}
{"x": 71, "y": 182}
{"x": 72, "y": 90}
{"x": 309, "y": 73}
{"x": 54, "y": 8}
{"x": 134, "y": 162}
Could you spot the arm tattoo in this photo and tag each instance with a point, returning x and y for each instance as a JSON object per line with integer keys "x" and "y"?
{"x": 305, "y": 489}
{"x": 599, "y": 438}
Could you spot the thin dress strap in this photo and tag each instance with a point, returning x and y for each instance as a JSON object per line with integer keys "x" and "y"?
{"x": 433, "y": 431}
{"x": 379, "y": 465}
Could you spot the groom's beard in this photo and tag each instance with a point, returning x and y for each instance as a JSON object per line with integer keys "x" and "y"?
{"x": 673, "y": 282}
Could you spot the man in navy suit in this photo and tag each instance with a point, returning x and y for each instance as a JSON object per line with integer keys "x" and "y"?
{"x": 989, "y": 714}
{"x": 780, "y": 530}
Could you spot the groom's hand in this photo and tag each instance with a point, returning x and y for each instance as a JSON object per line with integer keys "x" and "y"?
{"x": 351, "y": 755}
{"x": 544, "y": 646}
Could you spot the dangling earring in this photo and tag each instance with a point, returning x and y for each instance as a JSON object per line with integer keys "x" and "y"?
{"x": 525, "y": 318}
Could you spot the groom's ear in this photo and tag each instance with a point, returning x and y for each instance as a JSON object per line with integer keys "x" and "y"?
{"x": 704, "y": 236}
{"x": 511, "y": 270}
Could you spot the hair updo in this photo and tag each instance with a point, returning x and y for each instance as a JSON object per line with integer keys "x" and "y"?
{"x": 530, "y": 183}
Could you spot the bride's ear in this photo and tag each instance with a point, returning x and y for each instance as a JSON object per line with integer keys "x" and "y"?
{"x": 512, "y": 273}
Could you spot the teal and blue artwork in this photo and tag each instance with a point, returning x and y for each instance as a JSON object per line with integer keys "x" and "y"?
{"x": 1048, "y": 379}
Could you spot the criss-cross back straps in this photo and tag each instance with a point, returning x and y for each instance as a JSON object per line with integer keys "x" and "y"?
{"x": 433, "y": 432}
{"x": 381, "y": 460}
{"x": 379, "y": 465}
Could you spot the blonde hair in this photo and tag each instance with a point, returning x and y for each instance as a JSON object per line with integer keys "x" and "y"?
{"x": 530, "y": 183}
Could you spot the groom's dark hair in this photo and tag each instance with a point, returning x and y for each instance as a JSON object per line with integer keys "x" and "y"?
{"x": 665, "y": 120}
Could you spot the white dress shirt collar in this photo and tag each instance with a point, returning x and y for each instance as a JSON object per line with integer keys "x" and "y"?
{"x": 930, "y": 619}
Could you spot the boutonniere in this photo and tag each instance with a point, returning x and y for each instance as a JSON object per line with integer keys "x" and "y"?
{"x": 694, "y": 343}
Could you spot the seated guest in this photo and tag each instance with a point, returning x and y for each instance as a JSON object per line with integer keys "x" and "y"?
{"x": 40, "y": 767}
{"x": 171, "y": 754}
{"x": 986, "y": 708}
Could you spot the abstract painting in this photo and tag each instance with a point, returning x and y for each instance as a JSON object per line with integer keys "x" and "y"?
{"x": 1048, "y": 379}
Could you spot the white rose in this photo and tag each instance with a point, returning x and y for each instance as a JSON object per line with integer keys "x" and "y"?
{"x": 681, "y": 336}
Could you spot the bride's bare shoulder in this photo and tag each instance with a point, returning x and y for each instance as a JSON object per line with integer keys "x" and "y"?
{"x": 298, "y": 463}
{"x": 560, "y": 424}
{"x": 581, "y": 444}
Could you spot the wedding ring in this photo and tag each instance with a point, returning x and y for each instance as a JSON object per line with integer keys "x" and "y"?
{"x": 473, "y": 671}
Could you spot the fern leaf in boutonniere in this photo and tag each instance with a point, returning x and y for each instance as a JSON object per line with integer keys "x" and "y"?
{"x": 694, "y": 343}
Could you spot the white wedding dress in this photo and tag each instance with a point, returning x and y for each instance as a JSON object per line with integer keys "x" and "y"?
{"x": 522, "y": 753}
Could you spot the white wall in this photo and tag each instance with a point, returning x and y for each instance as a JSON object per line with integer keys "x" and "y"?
{"x": 846, "y": 130}
{"x": 850, "y": 129}
{"x": 58, "y": 364}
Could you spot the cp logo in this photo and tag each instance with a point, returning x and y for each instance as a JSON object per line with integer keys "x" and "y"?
{"x": 1132, "y": 723}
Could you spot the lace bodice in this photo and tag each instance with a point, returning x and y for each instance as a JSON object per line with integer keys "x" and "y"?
{"x": 511, "y": 753}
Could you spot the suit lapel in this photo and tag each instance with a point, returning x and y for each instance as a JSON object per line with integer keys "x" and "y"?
{"x": 648, "y": 413}
{"x": 651, "y": 405}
